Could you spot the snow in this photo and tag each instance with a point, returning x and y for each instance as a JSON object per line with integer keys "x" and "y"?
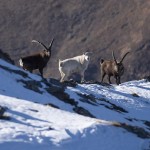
{"x": 33, "y": 125}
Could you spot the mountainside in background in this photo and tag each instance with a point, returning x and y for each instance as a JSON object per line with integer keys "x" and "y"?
{"x": 40, "y": 114}
{"x": 78, "y": 26}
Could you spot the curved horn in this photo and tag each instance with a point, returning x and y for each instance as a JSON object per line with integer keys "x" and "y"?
{"x": 87, "y": 53}
{"x": 124, "y": 56}
{"x": 114, "y": 57}
{"x": 40, "y": 44}
{"x": 50, "y": 46}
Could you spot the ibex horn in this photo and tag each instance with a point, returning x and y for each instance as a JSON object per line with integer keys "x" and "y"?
{"x": 40, "y": 44}
{"x": 124, "y": 56}
{"x": 50, "y": 46}
{"x": 114, "y": 57}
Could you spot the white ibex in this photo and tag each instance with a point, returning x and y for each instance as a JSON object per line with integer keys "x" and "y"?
{"x": 112, "y": 68}
{"x": 76, "y": 64}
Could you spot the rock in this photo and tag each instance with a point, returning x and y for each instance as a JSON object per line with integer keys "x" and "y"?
{"x": 84, "y": 112}
{"x": 2, "y": 110}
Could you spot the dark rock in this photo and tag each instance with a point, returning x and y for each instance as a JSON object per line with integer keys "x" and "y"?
{"x": 147, "y": 79}
{"x": 6, "y": 57}
{"x": 32, "y": 85}
{"x": 59, "y": 92}
{"x": 2, "y": 110}
{"x": 33, "y": 110}
{"x": 52, "y": 105}
{"x": 2, "y": 115}
{"x": 19, "y": 72}
{"x": 55, "y": 82}
{"x": 83, "y": 111}
{"x": 70, "y": 83}
{"x": 112, "y": 106}
{"x": 135, "y": 95}
{"x": 97, "y": 82}
{"x": 88, "y": 99}
{"x": 147, "y": 123}
{"x": 140, "y": 132}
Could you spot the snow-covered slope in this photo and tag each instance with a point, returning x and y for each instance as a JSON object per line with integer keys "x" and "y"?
{"x": 43, "y": 114}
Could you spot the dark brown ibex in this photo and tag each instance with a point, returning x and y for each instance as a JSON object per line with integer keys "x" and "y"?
{"x": 112, "y": 68}
{"x": 37, "y": 61}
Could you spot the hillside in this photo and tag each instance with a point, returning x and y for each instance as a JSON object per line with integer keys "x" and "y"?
{"x": 78, "y": 26}
{"x": 46, "y": 114}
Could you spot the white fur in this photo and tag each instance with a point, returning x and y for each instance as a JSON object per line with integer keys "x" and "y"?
{"x": 76, "y": 64}
{"x": 20, "y": 62}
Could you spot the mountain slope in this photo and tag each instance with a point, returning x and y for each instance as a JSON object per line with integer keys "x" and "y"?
{"x": 42, "y": 114}
{"x": 78, "y": 26}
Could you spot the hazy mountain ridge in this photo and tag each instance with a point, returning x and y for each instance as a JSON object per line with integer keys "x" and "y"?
{"x": 79, "y": 26}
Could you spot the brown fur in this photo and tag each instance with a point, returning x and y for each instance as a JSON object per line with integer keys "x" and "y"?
{"x": 112, "y": 68}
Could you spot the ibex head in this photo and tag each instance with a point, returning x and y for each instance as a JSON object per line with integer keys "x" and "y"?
{"x": 47, "y": 50}
{"x": 87, "y": 55}
{"x": 119, "y": 68}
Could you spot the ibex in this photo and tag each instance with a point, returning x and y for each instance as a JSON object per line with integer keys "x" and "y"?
{"x": 37, "y": 61}
{"x": 76, "y": 64}
{"x": 112, "y": 68}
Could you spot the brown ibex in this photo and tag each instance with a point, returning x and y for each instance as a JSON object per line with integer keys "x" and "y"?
{"x": 37, "y": 61}
{"x": 112, "y": 68}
